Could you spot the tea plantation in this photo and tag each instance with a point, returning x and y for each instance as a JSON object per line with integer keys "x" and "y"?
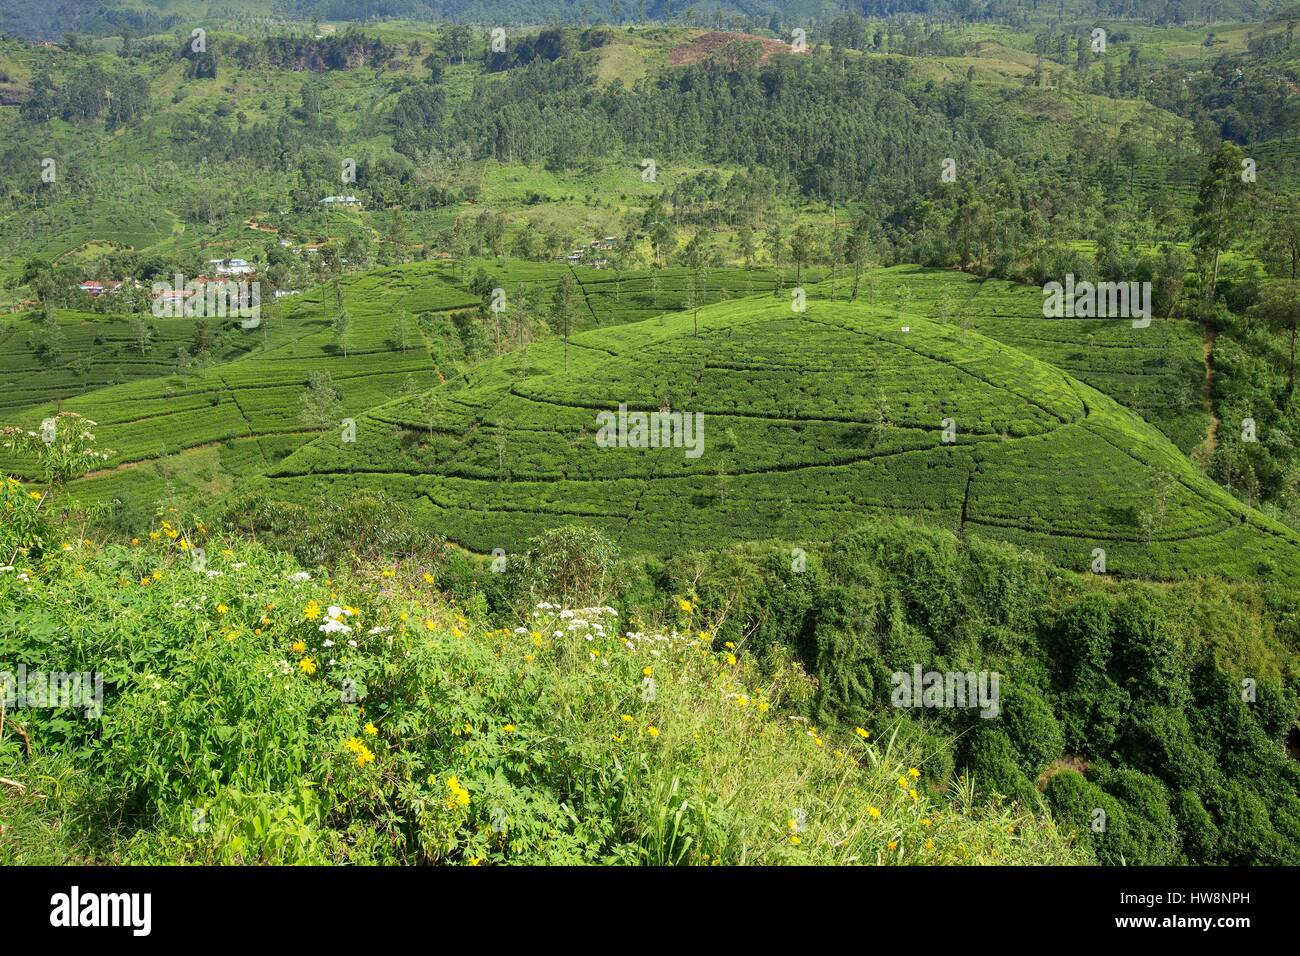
{"x": 812, "y": 422}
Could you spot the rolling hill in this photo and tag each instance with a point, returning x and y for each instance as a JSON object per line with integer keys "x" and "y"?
{"x": 811, "y": 422}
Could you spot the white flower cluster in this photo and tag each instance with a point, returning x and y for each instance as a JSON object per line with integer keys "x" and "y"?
{"x": 334, "y": 623}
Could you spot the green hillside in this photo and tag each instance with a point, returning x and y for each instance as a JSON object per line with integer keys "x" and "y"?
{"x": 812, "y": 422}
{"x": 379, "y": 577}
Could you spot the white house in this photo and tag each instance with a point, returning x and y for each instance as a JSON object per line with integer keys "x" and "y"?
{"x": 231, "y": 267}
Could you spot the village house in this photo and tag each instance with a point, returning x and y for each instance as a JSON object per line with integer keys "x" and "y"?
{"x": 96, "y": 289}
{"x": 231, "y": 267}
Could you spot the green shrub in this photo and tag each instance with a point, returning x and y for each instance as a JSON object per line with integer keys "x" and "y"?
{"x": 1245, "y": 833}
{"x": 1200, "y": 837}
{"x": 574, "y": 565}
{"x": 1159, "y": 740}
{"x": 1076, "y": 803}
{"x": 993, "y": 763}
{"x": 1151, "y": 829}
{"x": 1032, "y": 729}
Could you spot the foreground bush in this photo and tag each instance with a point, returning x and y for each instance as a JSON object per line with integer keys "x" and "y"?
{"x": 254, "y": 712}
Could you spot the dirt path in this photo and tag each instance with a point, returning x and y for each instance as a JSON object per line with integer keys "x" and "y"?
{"x": 1212, "y": 433}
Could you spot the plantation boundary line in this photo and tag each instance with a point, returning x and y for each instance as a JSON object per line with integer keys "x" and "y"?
{"x": 428, "y": 494}
{"x": 965, "y": 501}
{"x": 1247, "y": 515}
{"x": 587, "y": 479}
{"x": 244, "y": 415}
{"x": 1047, "y": 429}
{"x": 961, "y": 368}
{"x": 585, "y": 300}
{"x": 1073, "y": 535}
{"x": 206, "y": 392}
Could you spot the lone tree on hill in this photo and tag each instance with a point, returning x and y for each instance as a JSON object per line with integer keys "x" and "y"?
{"x": 320, "y": 401}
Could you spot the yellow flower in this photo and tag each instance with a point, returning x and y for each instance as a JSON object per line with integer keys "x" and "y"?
{"x": 312, "y": 611}
{"x": 364, "y": 756}
{"x": 34, "y": 495}
{"x": 685, "y": 605}
{"x": 795, "y": 840}
{"x": 914, "y": 773}
{"x": 652, "y": 730}
{"x": 730, "y": 645}
{"x": 222, "y": 609}
{"x": 528, "y": 658}
{"x": 428, "y": 578}
{"x": 873, "y": 811}
{"x": 893, "y": 844}
{"x": 154, "y": 536}
{"x": 371, "y": 729}
{"x": 864, "y": 734}
{"x": 742, "y": 700}
{"x": 731, "y": 659}
{"x": 428, "y": 625}
{"x": 474, "y": 861}
{"x": 299, "y": 647}
{"x": 509, "y": 728}
{"x": 626, "y": 718}
{"x": 135, "y": 541}
{"x": 902, "y": 783}
{"x": 763, "y": 705}
{"x": 307, "y": 666}
{"x": 925, "y": 821}
{"x": 387, "y": 573}
{"x": 648, "y": 671}
{"x": 929, "y": 844}
{"x": 354, "y": 745}
{"x": 913, "y": 795}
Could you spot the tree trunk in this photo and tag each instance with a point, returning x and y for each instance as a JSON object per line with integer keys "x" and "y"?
{"x": 1290, "y": 374}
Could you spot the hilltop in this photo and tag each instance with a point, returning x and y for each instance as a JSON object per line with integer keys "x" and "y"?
{"x": 811, "y": 422}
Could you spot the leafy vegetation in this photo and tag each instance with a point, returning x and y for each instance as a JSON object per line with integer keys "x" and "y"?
{"x": 368, "y": 577}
